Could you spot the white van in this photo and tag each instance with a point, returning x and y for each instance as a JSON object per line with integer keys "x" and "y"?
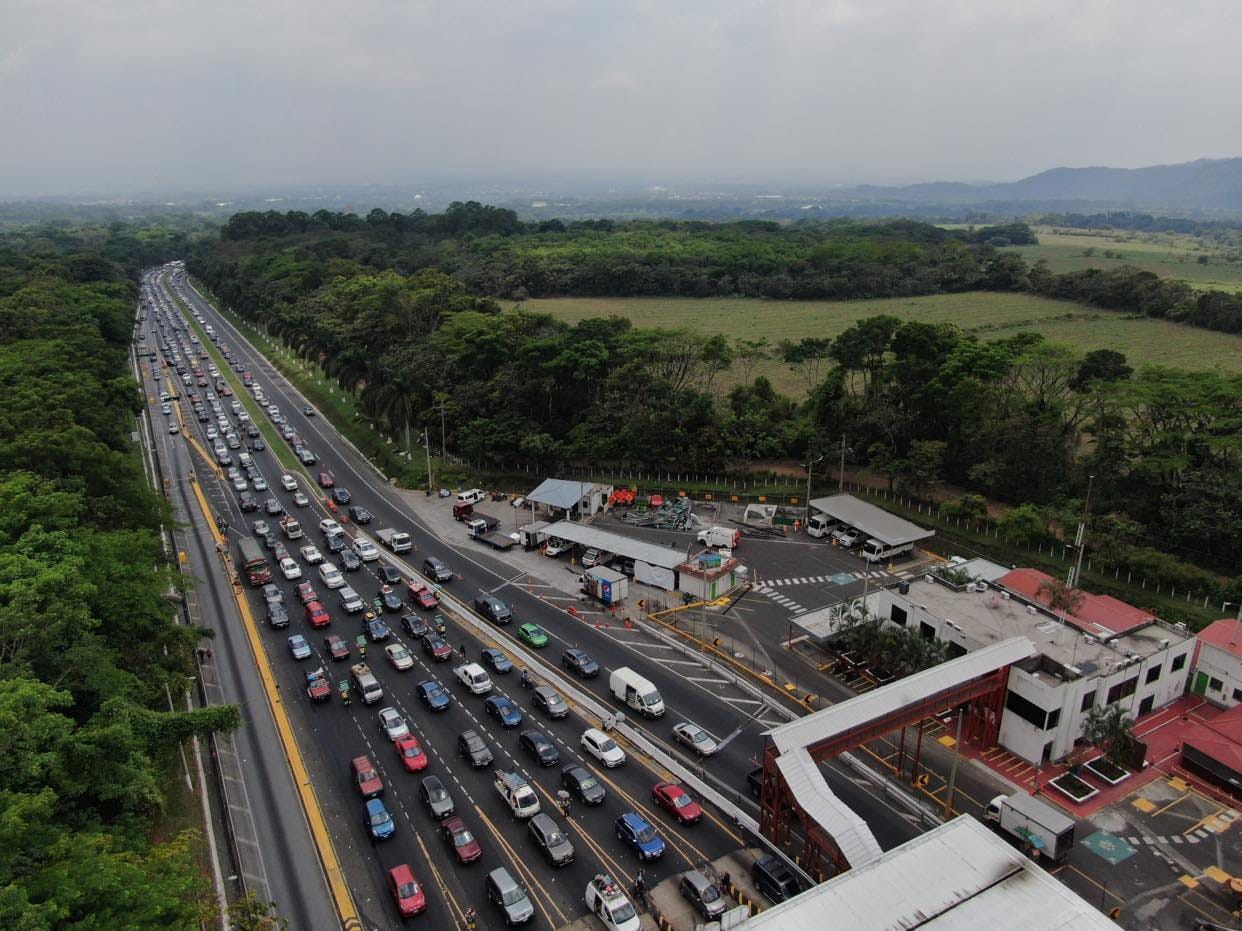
{"x": 472, "y": 496}
{"x": 720, "y": 536}
{"x": 875, "y": 551}
{"x": 638, "y": 693}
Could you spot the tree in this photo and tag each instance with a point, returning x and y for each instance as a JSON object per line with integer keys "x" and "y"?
{"x": 1061, "y": 599}
{"x": 1024, "y": 524}
{"x": 1107, "y": 727}
{"x": 1100, "y": 365}
{"x": 747, "y": 353}
{"x": 806, "y": 358}
{"x": 922, "y": 472}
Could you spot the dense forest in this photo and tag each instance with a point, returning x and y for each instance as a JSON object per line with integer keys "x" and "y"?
{"x": 87, "y": 639}
{"x": 400, "y": 311}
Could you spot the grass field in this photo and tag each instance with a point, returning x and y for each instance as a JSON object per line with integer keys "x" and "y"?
{"x": 991, "y": 315}
{"x": 1169, "y": 255}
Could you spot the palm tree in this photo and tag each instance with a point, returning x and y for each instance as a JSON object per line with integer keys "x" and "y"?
{"x": 1108, "y": 728}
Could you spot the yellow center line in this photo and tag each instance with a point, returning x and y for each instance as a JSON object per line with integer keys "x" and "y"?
{"x": 452, "y": 899}
{"x": 524, "y": 871}
{"x": 337, "y": 887}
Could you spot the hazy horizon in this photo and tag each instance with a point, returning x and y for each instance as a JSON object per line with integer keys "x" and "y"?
{"x": 120, "y": 97}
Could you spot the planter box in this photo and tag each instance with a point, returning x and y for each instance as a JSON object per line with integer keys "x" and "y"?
{"x": 1071, "y": 786}
{"x": 1106, "y": 769}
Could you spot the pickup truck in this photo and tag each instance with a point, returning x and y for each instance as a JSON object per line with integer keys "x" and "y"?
{"x": 474, "y": 677}
{"x": 291, "y": 528}
{"x": 522, "y": 800}
{"x": 396, "y": 540}
{"x": 477, "y": 529}
{"x": 368, "y": 685}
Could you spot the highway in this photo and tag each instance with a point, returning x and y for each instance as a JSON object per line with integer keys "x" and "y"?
{"x": 331, "y": 734}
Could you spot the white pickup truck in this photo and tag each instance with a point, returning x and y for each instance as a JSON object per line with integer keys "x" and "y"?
{"x": 474, "y": 677}
{"x": 522, "y": 800}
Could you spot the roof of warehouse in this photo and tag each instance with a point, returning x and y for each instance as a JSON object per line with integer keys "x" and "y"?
{"x": 958, "y": 875}
{"x": 871, "y": 520}
{"x": 870, "y": 706}
{"x": 560, "y": 493}
{"x": 850, "y": 832}
{"x": 616, "y": 543}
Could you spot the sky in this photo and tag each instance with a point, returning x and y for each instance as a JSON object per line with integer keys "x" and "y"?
{"x": 122, "y": 96}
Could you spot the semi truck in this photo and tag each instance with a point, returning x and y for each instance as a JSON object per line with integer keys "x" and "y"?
{"x": 253, "y": 564}
{"x": 638, "y": 693}
{"x": 1037, "y": 826}
{"x": 396, "y": 540}
{"x": 478, "y": 530}
{"x": 608, "y": 585}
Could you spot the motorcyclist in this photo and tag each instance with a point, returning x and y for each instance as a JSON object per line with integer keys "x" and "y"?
{"x": 525, "y": 678}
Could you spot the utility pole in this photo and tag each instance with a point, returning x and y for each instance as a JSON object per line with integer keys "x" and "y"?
{"x": 809, "y": 466}
{"x": 1080, "y": 537}
{"x": 443, "y": 446}
{"x": 427, "y": 449}
{"x": 841, "y": 476}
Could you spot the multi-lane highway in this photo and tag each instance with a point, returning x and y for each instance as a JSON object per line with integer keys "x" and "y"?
{"x": 330, "y": 735}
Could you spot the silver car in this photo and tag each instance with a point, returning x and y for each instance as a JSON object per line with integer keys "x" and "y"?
{"x": 695, "y": 738}
{"x": 392, "y": 724}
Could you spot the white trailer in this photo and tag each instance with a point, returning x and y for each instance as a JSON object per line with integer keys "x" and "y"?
{"x": 1041, "y": 829}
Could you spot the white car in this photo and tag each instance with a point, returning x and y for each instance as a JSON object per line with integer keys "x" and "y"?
{"x": 328, "y": 526}
{"x": 288, "y": 483}
{"x": 311, "y": 554}
{"x": 260, "y": 483}
{"x": 518, "y": 502}
{"x": 300, "y": 500}
{"x": 602, "y": 747}
{"x": 240, "y": 483}
{"x": 366, "y": 550}
{"x": 606, "y": 901}
{"x": 331, "y": 576}
{"x": 290, "y": 569}
{"x": 399, "y": 656}
{"x": 212, "y": 433}
{"x": 695, "y": 738}
{"x": 555, "y": 546}
{"x": 351, "y": 601}
{"x": 392, "y": 724}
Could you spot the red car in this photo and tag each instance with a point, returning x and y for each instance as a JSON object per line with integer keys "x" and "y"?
{"x": 366, "y": 778}
{"x": 337, "y": 648}
{"x": 425, "y": 598}
{"x": 458, "y": 836}
{"x": 326, "y": 480}
{"x": 675, "y": 800}
{"x": 318, "y": 688}
{"x": 406, "y": 891}
{"x": 438, "y": 648}
{"x": 318, "y": 615}
{"x": 412, "y": 756}
{"x": 307, "y": 593}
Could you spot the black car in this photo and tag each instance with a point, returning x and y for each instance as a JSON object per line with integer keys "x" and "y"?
{"x": 273, "y": 507}
{"x": 392, "y": 601}
{"x": 550, "y": 840}
{"x": 349, "y": 559}
{"x": 415, "y": 626}
{"x": 388, "y": 574}
{"x": 492, "y": 608}
{"x": 580, "y": 663}
{"x": 270, "y": 540}
{"x": 252, "y": 431}
{"x": 359, "y": 515}
{"x": 341, "y": 495}
{"x": 435, "y": 569}
{"x": 249, "y": 502}
{"x": 471, "y": 746}
{"x": 335, "y": 542}
{"x": 540, "y": 747}
{"x": 581, "y": 782}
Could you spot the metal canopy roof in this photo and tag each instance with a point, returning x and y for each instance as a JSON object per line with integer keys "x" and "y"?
{"x": 837, "y": 719}
{"x": 850, "y": 832}
{"x": 560, "y": 493}
{"x": 610, "y": 542}
{"x": 958, "y": 875}
{"x": 871, "y": 520}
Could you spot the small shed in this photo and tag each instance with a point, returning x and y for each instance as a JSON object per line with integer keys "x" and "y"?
{"x": 570, "y": 497}
{"x": 710, "y": 575}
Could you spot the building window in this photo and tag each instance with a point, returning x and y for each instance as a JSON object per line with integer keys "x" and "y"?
{"x": 1030, "y": 712}
{"x": 1216, "y": 685}
{"x": 1178, "y": 662}
{"x": 897, "y": 615}
{"x": 1122, "y": 690}
{"x": 1088, "y": 701}
{"x": 928, "y": 632}
{"x": 1153, "y": 674}
{"x": 1237, "y": 694}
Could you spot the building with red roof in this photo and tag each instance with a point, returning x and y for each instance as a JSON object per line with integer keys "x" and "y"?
{"x": 1101, "y": 616}
{"x": 1213, "y": 749}
{"x": 1218, "y": 666}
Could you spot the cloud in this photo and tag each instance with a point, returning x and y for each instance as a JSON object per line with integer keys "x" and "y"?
{"x": 124, "y": 94}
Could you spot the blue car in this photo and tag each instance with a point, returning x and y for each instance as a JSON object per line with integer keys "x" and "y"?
{"x": 433, "y": 695}
{"x": 377, "y": 819}
{"x": 497, "y": 660}
{"x": 299, "y": 647}
{"x": 503, "y": 710}
{"x": 377, "y": 630}
{"x": 633, "y": 830}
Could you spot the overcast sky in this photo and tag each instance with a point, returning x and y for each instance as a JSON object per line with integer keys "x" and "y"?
{"x": 116, "y": 96}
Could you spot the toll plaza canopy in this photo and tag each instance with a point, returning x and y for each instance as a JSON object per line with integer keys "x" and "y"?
{"x": 957, "y": 875}
{"x": 653, "y": 564}
{"x": 871, "y": 520}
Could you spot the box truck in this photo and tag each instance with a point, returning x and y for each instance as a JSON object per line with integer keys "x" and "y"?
{"x": 1041, "y": 829}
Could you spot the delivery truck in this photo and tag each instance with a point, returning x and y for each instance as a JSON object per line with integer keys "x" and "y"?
{"x": 1037, "y": 826}
{"x": 727, "y": 537}
{"x": 636, "y": 692}
{"x": 478, "y": 530}
{"x": 396, "y": 540}
{"x": 608, "y": 585}
{"x": 253, "y": 564}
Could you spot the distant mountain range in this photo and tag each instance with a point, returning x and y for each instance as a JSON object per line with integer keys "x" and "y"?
{"x": 1204, "y": 184}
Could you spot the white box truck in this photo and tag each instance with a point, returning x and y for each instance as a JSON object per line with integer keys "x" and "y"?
{"x": 396, "y": 540}
{"x": 1041, "y": 829}
{"x": 636, "y": 692}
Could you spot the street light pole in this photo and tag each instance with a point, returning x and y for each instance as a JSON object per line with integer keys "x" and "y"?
{"x": 841, "y": 474}
{"x": 427, "y": 449}
{"x": 809, "y": 467}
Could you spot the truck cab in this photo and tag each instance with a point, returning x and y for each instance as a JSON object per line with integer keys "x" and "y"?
{"x": 522, "y": 800}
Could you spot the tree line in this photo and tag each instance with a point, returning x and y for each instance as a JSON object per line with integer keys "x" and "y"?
{"x": 1020, "y": 420}
{"x": 88, "y": 646}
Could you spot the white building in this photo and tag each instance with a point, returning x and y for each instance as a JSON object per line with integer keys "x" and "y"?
{"x": 1139, "y": 662}
{"x": 1218, "y": 668}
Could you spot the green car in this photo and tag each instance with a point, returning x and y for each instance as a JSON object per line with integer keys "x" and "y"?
{"x": 533, "y": 634}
